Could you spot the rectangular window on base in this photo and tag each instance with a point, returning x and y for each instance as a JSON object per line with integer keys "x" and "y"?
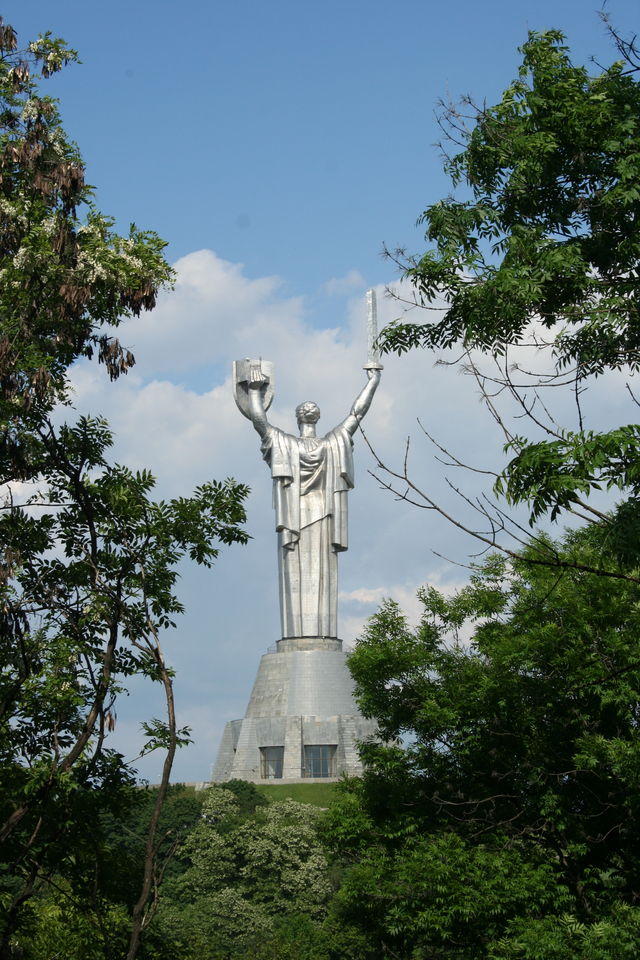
{"x": 320, "y": 760}
{"x": 271, "y": 760}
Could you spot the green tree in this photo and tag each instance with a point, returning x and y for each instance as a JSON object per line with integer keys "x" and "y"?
{"x": 91, "y": 589}
{"x": 67, "y": 279}
{"x": 508, "y": 825}
{"x": 61, "y": 920}
{"x": 87, "y": 559}
{"x": 257, "y": 881}
{"x": 540, "y": 245}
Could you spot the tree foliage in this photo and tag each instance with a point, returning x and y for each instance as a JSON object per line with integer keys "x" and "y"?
{"x": 256, "y": 881}
{"x": 89, "y": 590}
{"x": 88, "y": 560}
{"x": 508, "y": 825}
{"x": 541, "y": 245}
{"x": 66, "y": 276}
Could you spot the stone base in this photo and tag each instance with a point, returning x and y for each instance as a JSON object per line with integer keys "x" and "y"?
{"x": 301, "y": 698}
{"x": 308, "y": 643}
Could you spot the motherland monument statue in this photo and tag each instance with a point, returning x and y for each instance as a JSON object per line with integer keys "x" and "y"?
{"x": 312, "y": 476}
{"x": 302, "y": 721}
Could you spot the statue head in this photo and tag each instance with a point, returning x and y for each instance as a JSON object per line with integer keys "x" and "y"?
{"x": 308, "y": 412}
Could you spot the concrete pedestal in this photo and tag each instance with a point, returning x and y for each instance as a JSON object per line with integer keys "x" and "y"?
{"x": 302, "y": 698}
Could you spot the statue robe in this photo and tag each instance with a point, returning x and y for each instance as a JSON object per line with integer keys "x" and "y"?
{"x": 311, "y": 480}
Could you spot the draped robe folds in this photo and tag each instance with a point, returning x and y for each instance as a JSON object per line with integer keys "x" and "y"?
{"x": 311, "y": 480}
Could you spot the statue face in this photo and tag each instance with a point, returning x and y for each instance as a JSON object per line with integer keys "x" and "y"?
{"x": 308, "y": 412}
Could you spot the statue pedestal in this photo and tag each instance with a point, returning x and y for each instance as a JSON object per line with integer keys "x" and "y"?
{"x": 301, "y": 723}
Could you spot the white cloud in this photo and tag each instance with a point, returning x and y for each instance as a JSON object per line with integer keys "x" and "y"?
{"x": 338, "y": 286}
{"x": 366, "y": 595}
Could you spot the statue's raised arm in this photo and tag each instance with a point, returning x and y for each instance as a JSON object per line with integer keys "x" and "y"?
{"x": 373, "y": 367}
{"x": 256, "y": 387}
{"x": 363, "y": 401}
{"x": 253, "y": 391}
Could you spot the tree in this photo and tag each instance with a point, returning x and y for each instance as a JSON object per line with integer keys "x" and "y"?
{"x": 540, "y": 253}
{"x": 79, "y": 624}
{"x": 257, "y": 881}
{"x": 61, "y": 921}
{"x": 508, "y": 825}
{"x": 88, "y": 560}
{"x": 67, "y": 279}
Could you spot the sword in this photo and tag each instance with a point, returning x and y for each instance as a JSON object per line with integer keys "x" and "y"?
{"x": 373, "y": 353}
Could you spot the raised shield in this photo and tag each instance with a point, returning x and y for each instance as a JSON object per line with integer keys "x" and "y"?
{"x": 245, "y": 371}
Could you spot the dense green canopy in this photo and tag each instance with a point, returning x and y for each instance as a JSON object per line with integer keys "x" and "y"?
{"x": 508, "y": 824}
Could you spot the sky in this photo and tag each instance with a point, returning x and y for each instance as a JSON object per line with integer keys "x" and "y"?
{"x": 277, "y": 147}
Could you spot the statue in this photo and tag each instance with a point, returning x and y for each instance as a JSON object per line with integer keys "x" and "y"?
{"x": 312, "y": 476}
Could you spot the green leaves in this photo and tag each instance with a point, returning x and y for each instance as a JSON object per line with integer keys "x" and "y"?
{"x": 507, "y": 825}
{"x": 552, "y": 475}
{"x": 444, "y": 896}
{"x": 159, "y": 736}
{"x": 65, "y": 274}
{"x": 544, "y": 247}
{"x": 249, "y": 871}
{"x": 91, "y": 586}
{"x": 88, "y": 560}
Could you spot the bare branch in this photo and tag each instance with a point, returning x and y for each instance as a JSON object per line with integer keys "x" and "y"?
{"x": 548, "y": 557}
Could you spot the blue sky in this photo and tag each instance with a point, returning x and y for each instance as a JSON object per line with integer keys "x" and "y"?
{"x": 294, "y": 137}
{"x": 276, "y": 147}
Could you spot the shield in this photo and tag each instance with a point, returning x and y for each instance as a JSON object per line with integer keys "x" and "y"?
{"x": 244, "y": 371}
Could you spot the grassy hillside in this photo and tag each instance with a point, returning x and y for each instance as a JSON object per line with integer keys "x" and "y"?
{"x": 319, "y": 794}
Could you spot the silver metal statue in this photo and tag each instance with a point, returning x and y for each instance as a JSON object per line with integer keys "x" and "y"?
{"x": 311, "y": 479}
